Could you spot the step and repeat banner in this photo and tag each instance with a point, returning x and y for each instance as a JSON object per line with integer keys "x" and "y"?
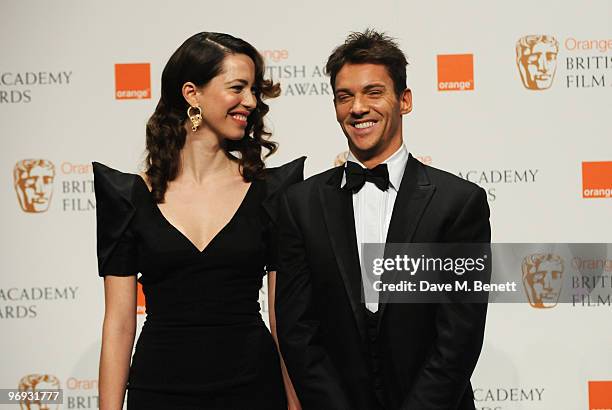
{"x": 514, "y": 96}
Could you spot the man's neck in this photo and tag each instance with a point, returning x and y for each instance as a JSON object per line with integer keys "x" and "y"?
{"x": 373, "y": 161}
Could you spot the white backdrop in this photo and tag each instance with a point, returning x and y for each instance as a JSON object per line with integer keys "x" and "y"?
{"x": 58, "y": 102}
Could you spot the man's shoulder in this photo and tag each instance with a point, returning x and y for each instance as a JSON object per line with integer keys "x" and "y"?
{"x": 313, "y": 182}
{"x": 449, "y": 182}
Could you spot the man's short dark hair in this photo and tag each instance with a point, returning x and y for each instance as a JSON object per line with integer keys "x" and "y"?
{"x": 369, "y": 47}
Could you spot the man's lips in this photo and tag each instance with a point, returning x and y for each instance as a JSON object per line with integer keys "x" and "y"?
{"x": 363, "y": 126}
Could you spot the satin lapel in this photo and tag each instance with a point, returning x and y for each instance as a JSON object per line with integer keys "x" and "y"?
{"x": 340, "y": 221}
{"x": 412, "y": 198}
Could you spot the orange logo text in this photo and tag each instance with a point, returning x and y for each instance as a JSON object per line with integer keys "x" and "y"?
{"x": 132, "y": 81}
{"x": 600, "y": 395}
{"x": 597, "y": 179}
{"x": 455, "y": 72}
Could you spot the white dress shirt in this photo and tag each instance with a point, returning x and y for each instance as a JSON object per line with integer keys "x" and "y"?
{"x": 373, "y": 208}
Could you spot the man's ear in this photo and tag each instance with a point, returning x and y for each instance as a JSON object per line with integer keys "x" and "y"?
{"x": 406, "y": 101}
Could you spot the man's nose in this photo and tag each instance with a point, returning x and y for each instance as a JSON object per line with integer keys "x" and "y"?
{"x": 359, "y": 107}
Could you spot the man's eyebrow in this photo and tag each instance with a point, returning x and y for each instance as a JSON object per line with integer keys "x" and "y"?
{"x": 367, "y": 88}
{"x": 342, "y": 90}
{"x": 372, "y": 86}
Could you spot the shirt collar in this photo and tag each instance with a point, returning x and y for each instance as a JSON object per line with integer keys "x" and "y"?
{"x": 396, "y": 164}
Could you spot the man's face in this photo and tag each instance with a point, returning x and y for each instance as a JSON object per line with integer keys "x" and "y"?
{"x": 34, "y": 188}
{"x": 539, "y": 63}
{"x": 368, "y": 110}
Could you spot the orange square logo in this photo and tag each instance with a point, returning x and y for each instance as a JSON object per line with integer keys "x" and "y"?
{"x": 597, "y": 179}
{"x": 132, "y": 81}
{"x": 600, "y": 395}
{"x": 140, "y": 301}
{"x": 455, "y": 72}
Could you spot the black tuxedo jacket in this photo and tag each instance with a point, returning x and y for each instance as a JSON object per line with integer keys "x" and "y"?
{"x": 427, "y": 351}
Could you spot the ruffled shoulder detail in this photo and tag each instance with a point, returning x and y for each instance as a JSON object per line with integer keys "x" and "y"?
{"x": 114, "y": 209}
{"x": 278, "y": 179}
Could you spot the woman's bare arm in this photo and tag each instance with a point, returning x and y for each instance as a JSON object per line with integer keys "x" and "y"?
{"x": 293, "y": 402}
{"x": 118, "y": 333}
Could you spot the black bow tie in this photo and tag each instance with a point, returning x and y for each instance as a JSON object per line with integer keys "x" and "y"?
{"x": 357, "y": 176}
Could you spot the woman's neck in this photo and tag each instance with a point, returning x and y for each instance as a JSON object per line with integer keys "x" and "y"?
{"x": 203, "y": 157}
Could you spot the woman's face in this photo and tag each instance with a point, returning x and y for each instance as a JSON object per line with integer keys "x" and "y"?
{"x": 229, "y": 98}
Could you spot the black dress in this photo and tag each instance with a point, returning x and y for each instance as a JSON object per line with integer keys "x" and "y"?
{"x": 203, "y": 344}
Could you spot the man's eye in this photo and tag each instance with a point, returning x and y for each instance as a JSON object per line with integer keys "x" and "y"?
{"x": 237, "y": 88}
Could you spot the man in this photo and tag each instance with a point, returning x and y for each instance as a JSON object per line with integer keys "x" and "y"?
{"x": 340, "y": 353}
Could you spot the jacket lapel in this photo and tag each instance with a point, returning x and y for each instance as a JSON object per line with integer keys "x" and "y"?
{"x": 413, "y": 196}
{"x": 338, "y": 214}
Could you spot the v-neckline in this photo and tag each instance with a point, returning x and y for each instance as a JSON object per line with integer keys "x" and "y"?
{"x": 182, "y": 234}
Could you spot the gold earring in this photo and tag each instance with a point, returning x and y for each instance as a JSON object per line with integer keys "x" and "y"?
{"x": 196, "y": 119}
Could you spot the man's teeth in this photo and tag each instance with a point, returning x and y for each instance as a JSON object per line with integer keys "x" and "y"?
{"x": 365, "y": 124}
{"x": 239, "y": 117}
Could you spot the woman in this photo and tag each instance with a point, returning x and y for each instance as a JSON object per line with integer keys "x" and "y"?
{"x": 198, "y": 226}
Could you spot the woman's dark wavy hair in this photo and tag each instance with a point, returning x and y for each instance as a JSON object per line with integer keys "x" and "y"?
{"x": 198, "y": 60}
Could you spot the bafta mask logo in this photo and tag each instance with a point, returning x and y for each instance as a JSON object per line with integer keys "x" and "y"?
{"x": 341, "y": 158}
{"x": 543, "y": 279}
{"x": 33, "y": 179}
{"x": 34, "y": 383}
{"x": 536, "y": 58}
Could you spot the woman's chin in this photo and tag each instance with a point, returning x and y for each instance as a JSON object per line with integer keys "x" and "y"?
{"x": 234, "y": 137}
